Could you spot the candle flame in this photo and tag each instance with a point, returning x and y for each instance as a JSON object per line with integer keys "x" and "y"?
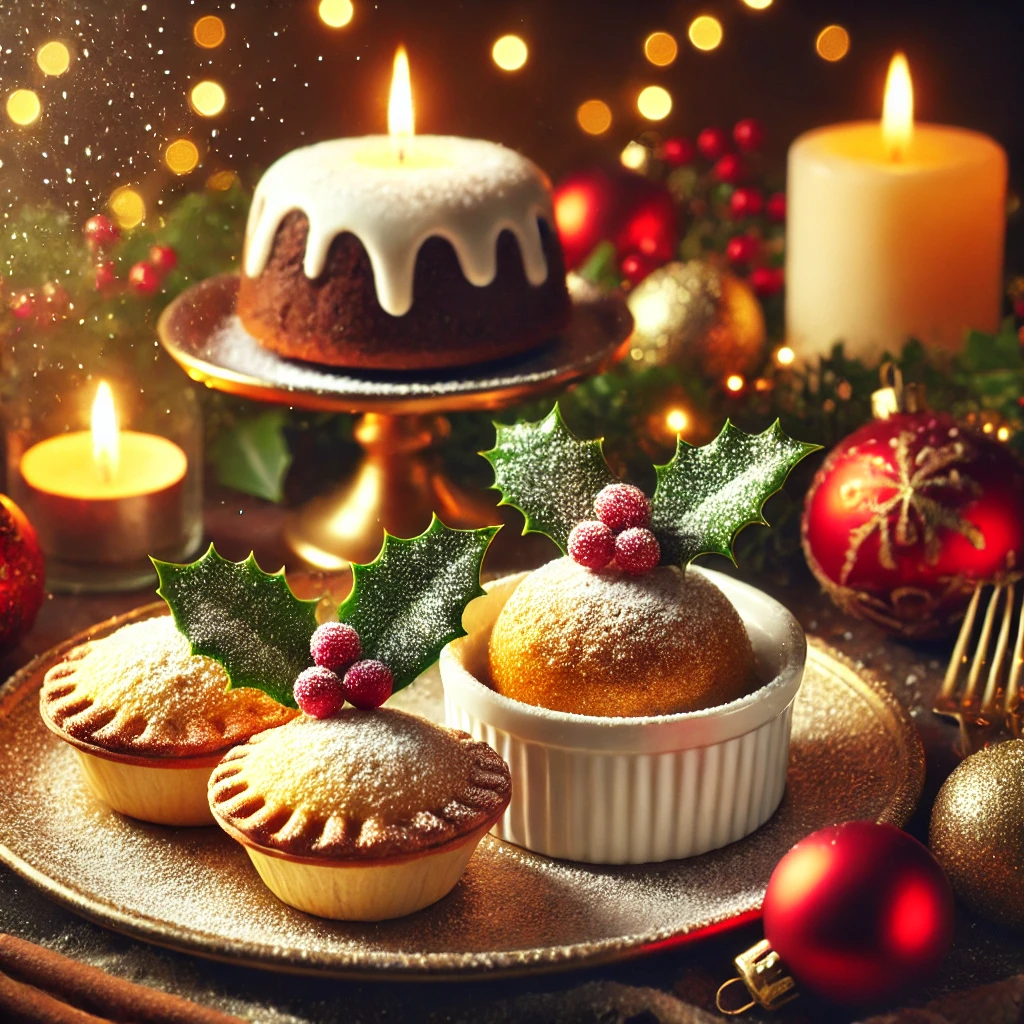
{"x": 898, "y": 108}
{"x": 401, "y": 119}
{"x": 105, "y": 442}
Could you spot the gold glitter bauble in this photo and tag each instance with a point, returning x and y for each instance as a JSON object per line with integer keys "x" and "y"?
{"x": 977, "y": 832}
{"x": 697, "y": 313}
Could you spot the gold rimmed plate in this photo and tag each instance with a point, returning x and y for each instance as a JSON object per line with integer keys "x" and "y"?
{"x": 855, "y": 755}
{"x": 202, "y": 332}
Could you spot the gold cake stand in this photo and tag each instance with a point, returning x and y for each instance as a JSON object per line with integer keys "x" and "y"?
{"x": 399, "y": 482}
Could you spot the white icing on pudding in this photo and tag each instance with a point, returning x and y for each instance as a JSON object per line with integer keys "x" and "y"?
{"x": 464, "y": 190}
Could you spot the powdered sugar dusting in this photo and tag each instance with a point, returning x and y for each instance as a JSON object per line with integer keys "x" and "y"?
{"x": 465, "y": 190}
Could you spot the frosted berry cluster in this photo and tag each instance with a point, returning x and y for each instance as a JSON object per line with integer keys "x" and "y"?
{"x": 620, "y": 533}
{"x": 340, "y": 674}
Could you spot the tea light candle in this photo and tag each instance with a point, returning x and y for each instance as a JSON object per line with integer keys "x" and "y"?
{"x": 895, "y": 230}
{"x": 105, "y": 495}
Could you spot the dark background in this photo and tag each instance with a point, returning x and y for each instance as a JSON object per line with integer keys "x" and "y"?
{"x": 291, "y": 79}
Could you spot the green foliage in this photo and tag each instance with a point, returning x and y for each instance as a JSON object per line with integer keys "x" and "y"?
{"x": 252, "y": 456}
{"x": 408, "y": 603}
{"x": 244, "y": 618}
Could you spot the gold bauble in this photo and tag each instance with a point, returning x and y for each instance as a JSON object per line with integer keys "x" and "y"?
{"x": 697, "y": 313}
{"x": 977, "y": 832}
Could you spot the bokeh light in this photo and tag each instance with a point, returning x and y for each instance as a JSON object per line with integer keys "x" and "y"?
{"x": 1003, "y": 433}
{"x": 127, "y": 207}
{"x": 758, "y": 5}
{"x": 661, "y": 48}
{"x": 181, "y": 156}
{"x": 23, "y": 106}
{"x": 833, "y": 43}
{"x": 654, "y": 103}
{"x": 207, "y": 98}
{"x": 53, "y": 58}
{"x": 509, "y": 53}
{"x": 221, "y": 181}
{"x": 705, "y": 32}
{"x": 785, "y": 356}
{"x": 336, "y": 13}
{"x": 208, "y": 32}
{"x": 734, "y": 382}
{"x": 635, "y": 156}
{"x": 677, "y": 420}
{"x": 594, "y": 117}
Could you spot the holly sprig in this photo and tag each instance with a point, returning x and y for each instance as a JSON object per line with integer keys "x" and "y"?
{"x": 704, "y": 496}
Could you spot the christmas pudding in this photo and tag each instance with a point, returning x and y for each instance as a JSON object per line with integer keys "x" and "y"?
{"x": 149, "y": 721}
{"x": 445, "y": 256}
{"x": 643, "y": 704}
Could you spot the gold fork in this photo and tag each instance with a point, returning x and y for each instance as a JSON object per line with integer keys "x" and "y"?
{"x": 985, "y": 714}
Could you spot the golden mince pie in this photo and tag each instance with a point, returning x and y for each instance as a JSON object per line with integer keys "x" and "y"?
{"x": 366, "y": 815}
{"x": 148, "y": 720}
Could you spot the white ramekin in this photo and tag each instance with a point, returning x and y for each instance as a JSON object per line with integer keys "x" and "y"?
{"x": 634, "y": 790}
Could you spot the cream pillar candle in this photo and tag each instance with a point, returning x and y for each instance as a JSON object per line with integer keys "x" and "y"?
{"x": 894, "y": 230}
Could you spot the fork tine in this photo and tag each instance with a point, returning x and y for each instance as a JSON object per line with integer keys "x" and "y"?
{"x": 1013, "y": 682}
{"x": 963, "y": 638}
{"x": 980, "y": 652}
{"x": 989, "y": 704}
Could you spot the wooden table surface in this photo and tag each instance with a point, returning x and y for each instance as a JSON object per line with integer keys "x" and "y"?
{"x": 675, "y": 986}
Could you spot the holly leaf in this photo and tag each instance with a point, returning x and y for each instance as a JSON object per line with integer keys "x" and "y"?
{"x": 408, "y": 602}
{"x": 253, "y": 456}
{"x": 706, "y": 495}
{"x": 548, "y": 474}
{"x": 248, "y": 620}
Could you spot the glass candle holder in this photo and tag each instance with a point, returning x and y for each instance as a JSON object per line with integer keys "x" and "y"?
{"x": 108, "y": 470}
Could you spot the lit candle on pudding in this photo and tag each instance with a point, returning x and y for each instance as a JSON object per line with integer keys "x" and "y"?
{"x": 895, "y": 230}
{"x": 104, "y": 495}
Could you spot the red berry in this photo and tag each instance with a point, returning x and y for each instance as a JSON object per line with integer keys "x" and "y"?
{"x": 678, "y": 151}
{"x": 591, "y": 544}
{"x": 776, "y": 207}
{"x": 712, "y": 143}
{"x": 746, "y": 202}
{"x": 144, "y": 278}
{"x": 163, "y": 258}
{"x": 620, "y": 506}
{"x": 319, "y": 692}
{"x": 335, "y": 645}
{"x": 637, "y": 551}
{"x": 766, "y": 281}
{"x": 106, "y": 275}
{"x": 729, "y": 168}
{"x": 368, "y": 684}
{"x": 742, "y": 249}
{"x": 23, "y": 305}
{"x": 100, "y": 232}
{"x": 748, "y": 135}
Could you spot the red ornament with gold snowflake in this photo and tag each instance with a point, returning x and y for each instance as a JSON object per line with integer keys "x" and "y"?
{"x": 908, "y": 514}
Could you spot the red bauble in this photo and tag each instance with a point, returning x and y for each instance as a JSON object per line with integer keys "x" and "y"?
{"x": 144, "y": 278}
{"x": 678, "y": 151}
{"x": 163, "y": 258}
{"x": 22, "y": 575}
{"x": 748, "y": 135}
{"x": 907, "y": 514}
{"x": 100, "y": 232}
{"x": 746, "y": 202}
{"x": 729, "y": 168}
{"x": 776, "y": 207}
{"x": 106, "y": 275}
{"x": 742, "y": 250}
{"x": 859, "y": 911}
{"x": 635, "y": 214}
{"x": 23, "y": 305}
{"x": 766, "y": 281}
{"x": 712, "y": 143}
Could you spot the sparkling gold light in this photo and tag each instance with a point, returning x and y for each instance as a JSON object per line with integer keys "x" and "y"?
{"x": 705, "y": 32}
{"x": 23, "y": 106}
{"x": 734, "y": 382}
{"x": 336, "y": 13}
{"x": 509, "y": 53}
{"x": 53, "y": 58}
{"x": 221, "y": 181}
{"x": 181, "y": 156}
{"x": 207, "y": 98}
{"x": 635, "y": 156}
{"x": 127, "y": 206}
{"x": 661, "y": 48}
{"x": 833, "y": 43}
{"x": 208, "y": 32}
{"x": 785, "y": 356}
{"x": 654, "y": 103}
{"x": 898, "y": 108}
{"x": 758, "y": 5}
{"x": 594, "y": 117}
{"x": 677, "y": 420}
